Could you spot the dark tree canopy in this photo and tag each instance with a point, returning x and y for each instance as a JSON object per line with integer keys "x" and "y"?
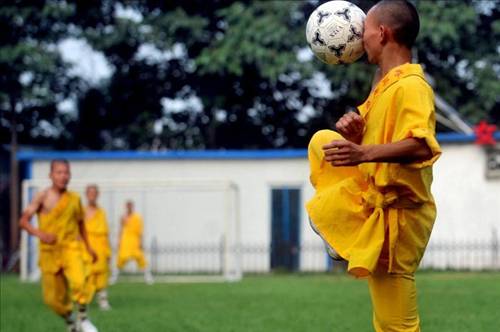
{"x": 216, "y": 74}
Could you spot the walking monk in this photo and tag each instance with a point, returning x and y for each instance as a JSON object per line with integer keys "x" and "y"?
{"x": 98, "y": 234}
{"x": 131, "y": 243}
{"x": 60, "y": 230}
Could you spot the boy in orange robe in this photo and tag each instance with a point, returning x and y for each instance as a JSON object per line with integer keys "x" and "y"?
{"x": 130, "y": 247}
{"x": 60, "y": 230}
{"x": 373, "y": 205}
{"x": 98, "y": 234}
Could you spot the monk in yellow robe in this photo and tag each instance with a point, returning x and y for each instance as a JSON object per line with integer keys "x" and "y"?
{"x": 60, "y": 227}
{"x": 373, "y": 205}
{"x": 130, "y": 245}
{"x": 98, "y": 234}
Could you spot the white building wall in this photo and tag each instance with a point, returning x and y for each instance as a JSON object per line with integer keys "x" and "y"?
{"x": 468, "y": 207}
{"x": 468, "y": 203}
{"x": 253, "y": 178}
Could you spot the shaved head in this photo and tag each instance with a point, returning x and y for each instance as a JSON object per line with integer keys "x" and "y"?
{"x": 401, "y": 17}
{"x": 55, "y": 162}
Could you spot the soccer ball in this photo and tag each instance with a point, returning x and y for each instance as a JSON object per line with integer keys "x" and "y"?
{"x": 334, "y": 32}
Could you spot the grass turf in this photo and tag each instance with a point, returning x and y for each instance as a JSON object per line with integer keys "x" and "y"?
{"x": 448, "y": 301}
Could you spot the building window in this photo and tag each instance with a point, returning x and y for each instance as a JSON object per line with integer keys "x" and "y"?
{"x": 285, "y": 238}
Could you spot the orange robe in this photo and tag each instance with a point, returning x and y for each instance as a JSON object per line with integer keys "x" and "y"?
{"x": 61, "y": 264}
{"x": 130, "y": 241}
{"x": 380, "y": 211}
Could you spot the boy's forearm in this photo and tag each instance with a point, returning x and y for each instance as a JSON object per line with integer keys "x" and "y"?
{"x": 405, "y": 151}
{"x": 83, "y": 234}
{"x": 24, "y": 223}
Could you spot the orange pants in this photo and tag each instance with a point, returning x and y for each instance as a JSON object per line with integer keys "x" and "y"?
{"x": 138, "y": 256}
{"x": 63, "y": 288}
{"x": 394, "y": 301}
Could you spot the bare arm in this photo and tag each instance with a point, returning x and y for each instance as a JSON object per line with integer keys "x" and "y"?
{"x": 83, "y": 233}
{"x": 85, "y": 239}
{"x": 24, "y": 222}
{"x": 346, "y": 153}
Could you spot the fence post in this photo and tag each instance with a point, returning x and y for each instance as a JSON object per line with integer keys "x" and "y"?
{"x": 154, "y": 255}
{"x": 222, "y": 247}
{"x": 494, "y": 249}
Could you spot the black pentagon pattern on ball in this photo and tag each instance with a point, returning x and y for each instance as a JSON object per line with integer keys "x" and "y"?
{"x": 322, "y": 15}
{"x": 354, "y": 34}
{"x": 317, "y": 39}
{"x": 334, "y": 32}
{"x": 345, "y": 14}
{"x": 338, "y": 50}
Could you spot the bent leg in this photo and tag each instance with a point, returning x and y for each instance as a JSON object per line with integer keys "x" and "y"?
{"x": 55, "y": 293}
{"x": 140, "y": 259}
{"x": 394, "y": 301}
{"x": 75, "y": 272}
{"x": 121, "y": 261}
{"x": 336, "y": 212}
{"x": 100, "y": 280}
{"x": 322, "y": 173}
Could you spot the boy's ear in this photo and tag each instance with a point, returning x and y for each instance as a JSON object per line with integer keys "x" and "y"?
{"x": 384, "y": 33}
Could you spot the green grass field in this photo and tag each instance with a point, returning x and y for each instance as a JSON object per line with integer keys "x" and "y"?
{"x": 448, "y": 302}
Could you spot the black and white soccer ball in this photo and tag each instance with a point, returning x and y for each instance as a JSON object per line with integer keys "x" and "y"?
{"x": 334, "y": 32}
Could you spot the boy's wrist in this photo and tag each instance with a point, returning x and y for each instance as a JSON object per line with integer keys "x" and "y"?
{"x": 368, "y": 153}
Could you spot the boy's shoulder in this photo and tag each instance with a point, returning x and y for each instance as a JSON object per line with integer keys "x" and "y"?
{"x": 413, "y": 82}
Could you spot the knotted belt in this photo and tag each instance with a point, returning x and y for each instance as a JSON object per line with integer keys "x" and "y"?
{"x": 366, "y": 249}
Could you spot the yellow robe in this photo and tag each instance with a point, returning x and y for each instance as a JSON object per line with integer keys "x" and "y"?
{"x": 380, "y": 212}
{"x": 97, "y": 232}
{"x": 98, "y": 235}
{"x": 62, "y": 263}
{"x": 62, "y": 221}
{"x": 130, "y": 241}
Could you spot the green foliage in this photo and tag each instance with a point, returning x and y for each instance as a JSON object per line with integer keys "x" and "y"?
{"x": 260, "y": 35}
{"x": 33, "y": 76}
{"x": 236, "y": 64}
{"x": 458, "y": 44}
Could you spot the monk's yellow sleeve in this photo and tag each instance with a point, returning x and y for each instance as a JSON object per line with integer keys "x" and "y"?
{"x": 105, "y": 228}
{"x": 416, "y": 117}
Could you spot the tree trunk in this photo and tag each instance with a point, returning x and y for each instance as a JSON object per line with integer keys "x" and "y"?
{"x": 14, "y": 181}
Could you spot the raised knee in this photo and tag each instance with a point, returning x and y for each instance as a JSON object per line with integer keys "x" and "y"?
{"x": 319, "y": 139}
{"x": 323, "y": 137}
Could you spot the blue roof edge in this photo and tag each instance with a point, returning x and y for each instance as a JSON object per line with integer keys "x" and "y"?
{"x": 158, "y": 155}
{"x": 202, "y": 154}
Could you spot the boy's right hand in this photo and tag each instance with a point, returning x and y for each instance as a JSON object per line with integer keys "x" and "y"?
{"x": 47, "y": 238}
{"x": 351, "y": 126}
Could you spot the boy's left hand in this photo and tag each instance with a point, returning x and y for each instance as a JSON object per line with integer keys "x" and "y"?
{"x": 344, "y": 153}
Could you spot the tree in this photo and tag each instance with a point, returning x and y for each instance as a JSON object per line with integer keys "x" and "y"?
{"x": 458, "y": 44}
{"x": 34, "y": 78}
{"x": 33, "y": 81}
{"x": 237, "y": 65}
{"x": 237, "y": 74}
